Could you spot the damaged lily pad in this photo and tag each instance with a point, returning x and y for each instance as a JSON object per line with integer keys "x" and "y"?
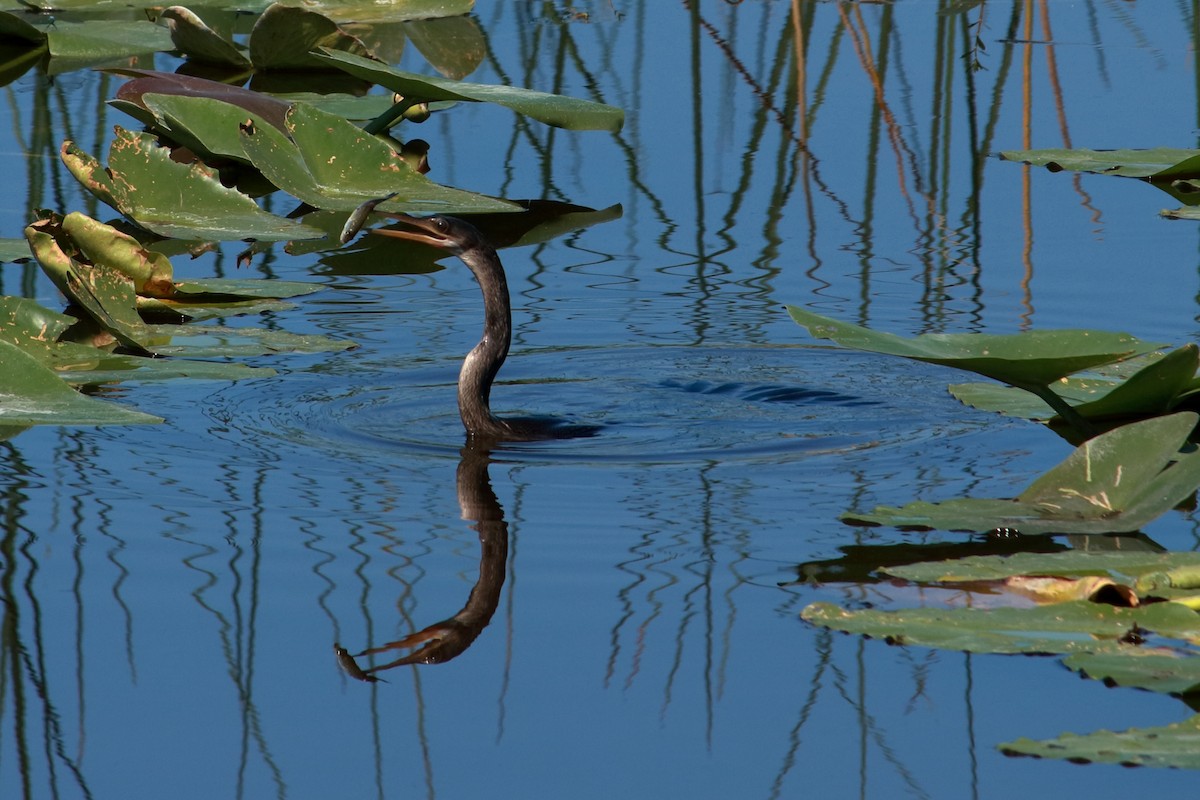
{"x": 1176, "y": 745}
{"x": 174, "y": 200}
{"x": 330, "y": 163}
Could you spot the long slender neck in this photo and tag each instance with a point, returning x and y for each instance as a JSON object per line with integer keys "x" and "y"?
{"x": 483, "y": 362}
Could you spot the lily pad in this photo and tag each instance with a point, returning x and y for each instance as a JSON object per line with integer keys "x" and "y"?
{"x": 1176, "y": 745}
{"x": 1175, "y": 673}
{"x": 123, "y": 369}
{"x": 1116, "y": 482}
{"x": 283, "y": 38}
{"x": 1160, "y": 163}
{"x": 32, "y": 394}
{"x": 1075, "y": 627}
{"x": 12, "y": 250}
{"x": 1156, "y": 388}
{"x": 557, "y": 110}
{"x": 200, "y": 341}
{"x": 192, "y": 37}
{"x": 175, "y": 200}
{"x": 1070, "y": 563}
{"x": 107, "y": 296}
{"x": 374, "y": 11}
{"x": 1029, "y": 359}
{"x": 332, "y": 164}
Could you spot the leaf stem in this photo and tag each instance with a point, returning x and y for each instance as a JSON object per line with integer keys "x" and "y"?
{"x": 389, "y": 117}
{"x": 1064, "y": 410}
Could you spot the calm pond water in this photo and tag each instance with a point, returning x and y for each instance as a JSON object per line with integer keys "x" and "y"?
{"x": 173, "y": 594}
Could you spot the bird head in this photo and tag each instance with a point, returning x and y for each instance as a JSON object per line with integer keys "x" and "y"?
{"x": 446, "y": 233}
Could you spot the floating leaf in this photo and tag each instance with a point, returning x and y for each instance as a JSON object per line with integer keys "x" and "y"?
{"x": 1176, "y": 745}
{"x": 12, "y": 250}
{"x": 119, "y": 368}
{"x": 283, "y": 38}
{"x": 1161, "y": 163}
{"x": 103, "y": 293}
{"x": 150, "y": 272}
{"x": 175, "y": 200}
{"x": 198, "y": 341}
{"x": 1069, "y": 563}
{"x": 199, "y": 42}
{"x": 1032, "y": 358}
{"x": 455, "y": 46}
{"x": 330, "y": 163}
{"x": 552, "y": 109}
{"x": 148, "y": 82}
{"x": 1174, "y": 673}
{"x": 1156, "y": 388}
{"x": 1076, "y": 627}
{"x": 372, "y": 10}
{"x": 1116, "y": 482}
{"x": 96, "y": 41}
{"x": 31, "y": 394}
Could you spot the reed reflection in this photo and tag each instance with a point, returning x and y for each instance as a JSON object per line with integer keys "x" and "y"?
{"x": 450, "y": 638}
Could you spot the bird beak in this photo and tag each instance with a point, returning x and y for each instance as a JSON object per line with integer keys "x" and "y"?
{"x": 424, "y": 233}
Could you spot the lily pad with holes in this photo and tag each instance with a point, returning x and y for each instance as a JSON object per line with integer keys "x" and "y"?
{"x": 1160, "y": 163}
{"x": 1116, "y": 482}
{"x": 330, "y": 163}
{"x": 1176, "y": 745}
{"x": 174, "y": 200}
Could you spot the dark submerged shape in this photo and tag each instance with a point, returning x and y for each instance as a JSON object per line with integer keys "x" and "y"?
{"x": 485, "y": 359}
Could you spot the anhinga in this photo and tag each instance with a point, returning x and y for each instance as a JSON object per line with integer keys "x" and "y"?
{"x": 485, "y": 359}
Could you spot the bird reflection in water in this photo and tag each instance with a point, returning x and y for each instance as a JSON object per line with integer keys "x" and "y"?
{"x": 445, "y": 640}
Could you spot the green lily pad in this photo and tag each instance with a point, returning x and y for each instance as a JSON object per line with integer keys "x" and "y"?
{"x": 120, "y": 368}
{"x": 96, "y": 41}
{"x": 150, "y": 272}
{"x": 1075, "y": 627}
{"x": 148, "y": 82}
{"x": 374, "y": 11}
{"x": 1072, "y": 563}
{"x": 12, "y": 250}
{"x": 199, "y": 341}
{"x": 1153, "y": 670}
{"x": 557, "y": 110}
{"x": 1176, "y": 745}
{"x": 332, "y": 164}
{"x": 15, "y": 27}
{"x": 34, "y": 395}
{"x": 1156, "y": 388}
{"x": 175, "y": 200}
{"x": 1160, "y": 163}
{"x": 1116, "y": 482}
{"x": 103, "y": 293}
{"x": 455, "y": 46}
{"x": 192, "y": 37}
{"x": 1029, "y": 359}
{"x": 284, "y": 36}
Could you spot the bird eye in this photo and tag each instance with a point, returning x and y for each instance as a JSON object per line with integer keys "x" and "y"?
{"x": 441, "y": 224}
